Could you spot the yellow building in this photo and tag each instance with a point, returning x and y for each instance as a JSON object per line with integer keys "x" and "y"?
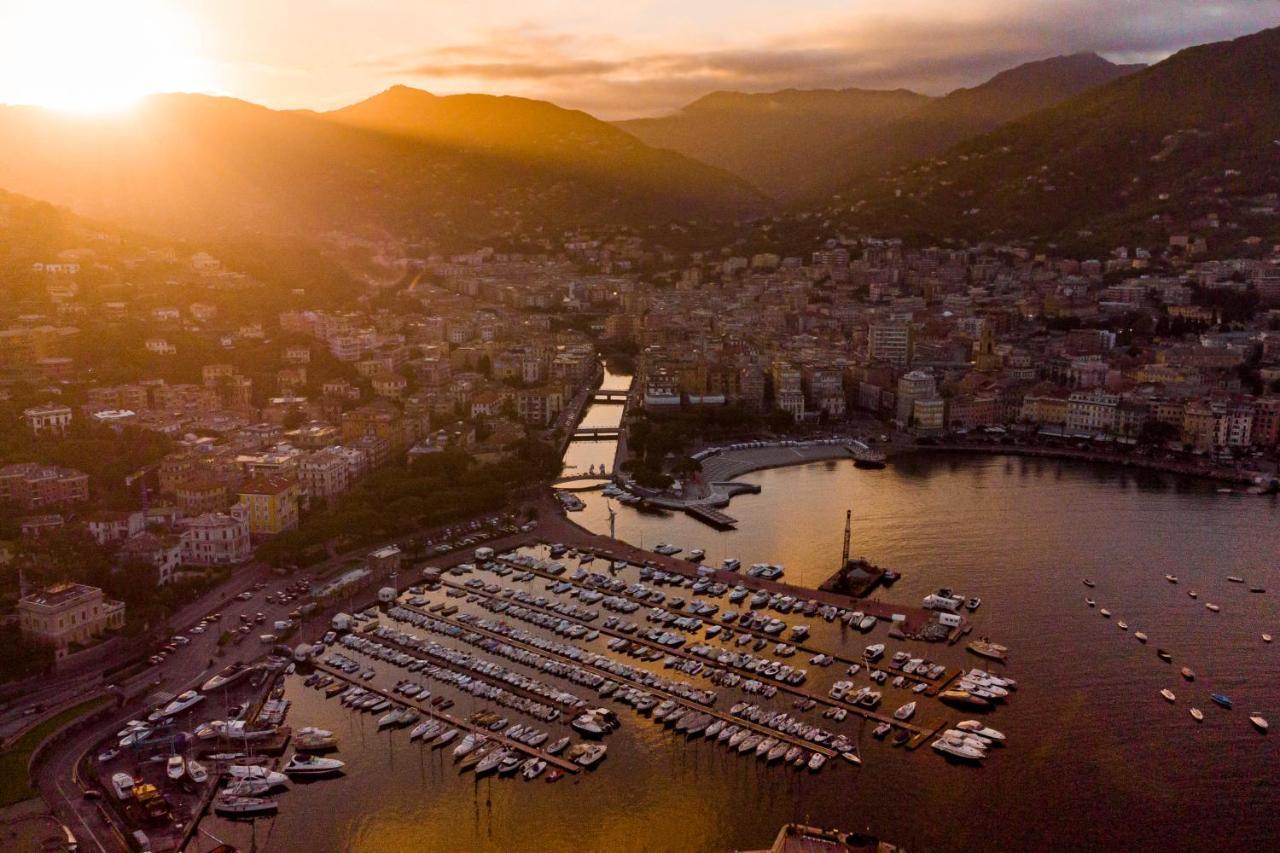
{"x": 68, "y": 614}
{"x": 271, "y": 504}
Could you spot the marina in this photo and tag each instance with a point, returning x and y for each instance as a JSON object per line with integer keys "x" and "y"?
{"x": 643, "y": 748}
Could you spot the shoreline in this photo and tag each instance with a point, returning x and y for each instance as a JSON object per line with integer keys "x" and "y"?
{"x": 723, "y": 486}
{"x": 1219, "y": 475}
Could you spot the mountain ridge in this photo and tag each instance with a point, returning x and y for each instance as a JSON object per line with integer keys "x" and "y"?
{"x": 798, "y": 151}
{"x": 192, "y": 165}
{"x": 1141, "y": 157}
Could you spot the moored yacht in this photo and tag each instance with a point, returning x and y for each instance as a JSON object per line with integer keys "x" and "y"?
{"x": 233, "y": 806}
{"x": 227, "y": 676}
{"x": 977, "y": 728}
{"x": 312, "y": 765}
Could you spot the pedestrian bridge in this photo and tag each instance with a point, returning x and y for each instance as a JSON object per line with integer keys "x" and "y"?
{"x": 592, "y": 433}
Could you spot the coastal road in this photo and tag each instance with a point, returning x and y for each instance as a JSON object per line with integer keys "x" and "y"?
{"x": 58, "y": 780}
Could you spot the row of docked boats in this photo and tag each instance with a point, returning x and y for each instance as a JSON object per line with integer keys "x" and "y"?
{"x": 748, "y": 738}
{"x": 662, "y": 710}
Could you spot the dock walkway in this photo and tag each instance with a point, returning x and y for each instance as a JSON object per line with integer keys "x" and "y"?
{"x": 796, "y": 692}
{"x": 657, "y": 691}
{"x": 808, "y": 648}
{"x": 454, "y": 722}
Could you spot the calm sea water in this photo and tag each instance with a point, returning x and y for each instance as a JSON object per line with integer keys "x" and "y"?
{"x": 1096, "y": 759}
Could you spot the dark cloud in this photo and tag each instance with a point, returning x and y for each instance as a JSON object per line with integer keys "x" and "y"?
{"x": 517, "y": 70}
{"x": 933, "y": 53}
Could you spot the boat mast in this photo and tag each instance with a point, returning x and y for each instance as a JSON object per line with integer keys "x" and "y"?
{"x": 848, "y": 520}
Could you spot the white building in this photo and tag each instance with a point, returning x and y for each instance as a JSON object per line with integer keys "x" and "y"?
{"x": 916, "y": 385}
{"x": 1092, "y": 411}
{"x": 217, "y": 539}
{"x": 325, "y": 473}
{"x": 48, "y": 419}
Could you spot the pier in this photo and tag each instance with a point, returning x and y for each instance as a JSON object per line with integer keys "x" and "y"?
{"x": 656, "y": 691}
{"x": 935, "y": 686}
{"x": 795, "y": 692}
{"x": 454, "y": 722}
{"x": 712, "y": 517}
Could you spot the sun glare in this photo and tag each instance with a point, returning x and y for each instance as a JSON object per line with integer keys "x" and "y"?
{"x": 94, "y": 56}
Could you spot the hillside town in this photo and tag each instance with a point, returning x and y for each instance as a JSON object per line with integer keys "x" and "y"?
{"x": 259, "y": 420}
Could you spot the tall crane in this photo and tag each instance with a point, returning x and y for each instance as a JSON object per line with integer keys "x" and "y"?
{"x": 848, "y": 521}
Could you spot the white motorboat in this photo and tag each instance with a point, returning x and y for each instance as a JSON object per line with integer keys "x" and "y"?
{"x": 874, "y": 652}
{"x": 1259, "y": 721}
{"x": 905, "y": 712}
{"x": 1197, "y": 715}
{"x": 557, "y": 747}
{"x": 234, "y": 806}
{"x": 197, "y": 772}
{"x": 312, "y": 765}
{"x": 1168, "y": 695}
{"x": 591, "y": 754}
{"x": 469, "y": 744}
{"x": 961, "y": 751}
{"x": 444, "y": 739}
{"x": 248, "y": 788}
{"x": 731, "y": 564}
{"x": 180, "y": 703}
{"x": 226, "y": 676}
{"x": 816, "y": 761}
{"x": 979, "y": 729}
{"x": 253, "y": 772}
{"x": 531, "y": 768}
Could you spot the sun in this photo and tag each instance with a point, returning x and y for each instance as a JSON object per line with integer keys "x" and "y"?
{"x": 93, "y": 56}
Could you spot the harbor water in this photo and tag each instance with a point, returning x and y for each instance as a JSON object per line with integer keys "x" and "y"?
{"x": 1096, "y": 758}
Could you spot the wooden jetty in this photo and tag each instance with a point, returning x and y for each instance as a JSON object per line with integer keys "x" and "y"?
{"x": 807, "y": 648}
{"x": 712, "y": 517}
{"x": 657, "y": 691}
{"x": 454, "y": 722}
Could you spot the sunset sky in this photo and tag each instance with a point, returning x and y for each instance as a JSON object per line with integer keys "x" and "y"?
{"x": 611, "y": 58}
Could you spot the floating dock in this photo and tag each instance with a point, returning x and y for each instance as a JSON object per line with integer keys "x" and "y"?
{"x": 712, "y": 517}
{"x": 656, "y": 691}
{"x": 433, "y": 712}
